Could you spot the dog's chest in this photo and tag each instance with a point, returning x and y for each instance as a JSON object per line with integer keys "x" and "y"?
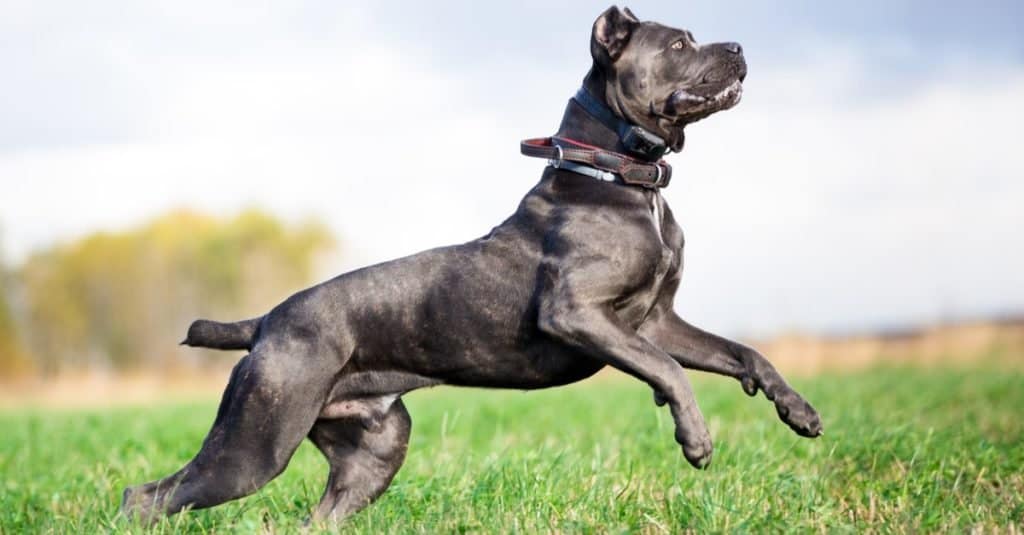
{"x": 670, "y": 261}
{"x": 657, "y": 214}
{"x": 667, "y": 233}
{"x": 663, "y": 253}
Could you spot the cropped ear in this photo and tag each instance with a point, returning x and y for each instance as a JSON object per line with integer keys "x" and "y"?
{"x": 611, "y": 33}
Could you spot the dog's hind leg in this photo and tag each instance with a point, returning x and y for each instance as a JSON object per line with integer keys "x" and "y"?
{"x": 363, "y": 459}
{"x": 271, "y": 402}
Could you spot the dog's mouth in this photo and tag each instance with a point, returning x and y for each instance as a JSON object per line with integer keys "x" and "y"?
{"x": 687, "y": 105}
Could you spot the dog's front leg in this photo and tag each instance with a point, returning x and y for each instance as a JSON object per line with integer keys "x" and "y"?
{"x": 701, "y": 350}
{"x": 596, "y": 330}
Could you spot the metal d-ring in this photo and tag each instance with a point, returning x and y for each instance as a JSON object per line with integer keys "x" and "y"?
{"x": 558, "y": 159}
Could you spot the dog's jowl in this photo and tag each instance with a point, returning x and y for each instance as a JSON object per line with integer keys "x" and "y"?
{"x": 580, "y": 277}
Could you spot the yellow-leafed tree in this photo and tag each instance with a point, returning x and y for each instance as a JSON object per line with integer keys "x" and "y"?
{"x": 13, "y": 360}
{"x": 123, "y": 300}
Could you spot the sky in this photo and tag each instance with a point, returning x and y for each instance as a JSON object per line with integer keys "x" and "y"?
{"x": 870, "y": 178}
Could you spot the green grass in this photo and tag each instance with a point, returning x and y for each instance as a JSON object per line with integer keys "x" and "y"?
{"x": 904, "y": 450}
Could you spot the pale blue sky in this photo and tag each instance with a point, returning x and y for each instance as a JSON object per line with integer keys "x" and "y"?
{"x": 871, "y": 176}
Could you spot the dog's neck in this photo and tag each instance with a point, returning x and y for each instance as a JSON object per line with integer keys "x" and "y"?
{"x": 577, "y": 124}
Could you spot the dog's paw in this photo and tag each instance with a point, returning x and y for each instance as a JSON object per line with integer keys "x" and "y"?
{"x": 697, "y": 448}
{"x": 799, "y": 415}
{"x": 699, "y": 454}
{"x": 138, "y": 505}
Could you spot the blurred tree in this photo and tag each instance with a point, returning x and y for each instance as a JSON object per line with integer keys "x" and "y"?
{"x": 13, "y": 360}
{"x": 123, "y": 300}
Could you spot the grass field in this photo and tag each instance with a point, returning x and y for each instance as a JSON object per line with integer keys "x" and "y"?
{"x": 904, "y": 450}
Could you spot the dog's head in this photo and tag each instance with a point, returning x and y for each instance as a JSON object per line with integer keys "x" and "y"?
{"x": 659, "y": 77}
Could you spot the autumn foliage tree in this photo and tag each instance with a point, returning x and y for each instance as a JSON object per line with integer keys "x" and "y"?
{"x": 13, "y": 360}
{"x": 123, "y": 300}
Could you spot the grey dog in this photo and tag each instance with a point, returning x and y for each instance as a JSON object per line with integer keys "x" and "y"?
{"x": 580, "y": 277}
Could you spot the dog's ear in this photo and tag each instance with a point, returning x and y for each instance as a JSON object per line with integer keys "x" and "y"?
{"x": 611, "y": 33}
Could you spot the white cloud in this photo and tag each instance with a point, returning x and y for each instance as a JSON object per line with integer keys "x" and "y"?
{"x": 366, "y": 141}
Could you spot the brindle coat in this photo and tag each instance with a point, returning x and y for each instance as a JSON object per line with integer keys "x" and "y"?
{"x": 580, "y": 277}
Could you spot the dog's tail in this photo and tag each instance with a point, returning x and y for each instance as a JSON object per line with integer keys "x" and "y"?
{"x": 217, "y": 335}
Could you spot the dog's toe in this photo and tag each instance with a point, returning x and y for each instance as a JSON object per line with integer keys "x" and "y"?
{"x": 749, "y": 385}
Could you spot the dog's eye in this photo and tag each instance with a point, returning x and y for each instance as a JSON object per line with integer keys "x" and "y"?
{"x": 678, "y": 45}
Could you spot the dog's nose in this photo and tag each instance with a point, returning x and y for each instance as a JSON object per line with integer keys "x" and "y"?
{"x": 735, "y": 48}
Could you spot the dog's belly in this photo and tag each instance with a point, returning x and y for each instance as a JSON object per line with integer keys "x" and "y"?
{"x": 482, "y": 353}
{"x": 542, "y": 365}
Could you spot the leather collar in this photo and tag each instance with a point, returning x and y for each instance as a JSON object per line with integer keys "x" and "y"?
{"x": 625, "y": 168}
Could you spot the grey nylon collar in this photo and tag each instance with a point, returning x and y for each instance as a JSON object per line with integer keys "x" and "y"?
{"x": 637, "y": 140}
{"x": 586, "y": 170}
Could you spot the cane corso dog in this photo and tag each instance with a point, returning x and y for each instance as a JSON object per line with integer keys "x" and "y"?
{"x": 582, "y": 276}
